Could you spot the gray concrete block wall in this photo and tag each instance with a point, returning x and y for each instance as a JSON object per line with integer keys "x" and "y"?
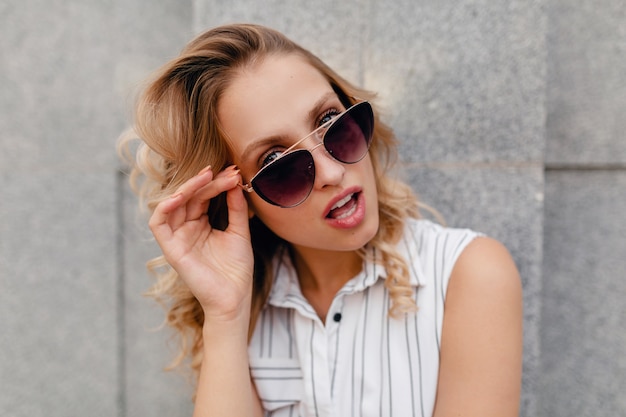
{"x": 587, "y": 91}
{"x": 583, "y": 335}
{"x": 66, "y": 68}
{"x": 476, "y": 91}
{"x": 583, "y": 361}
{"x": 58, "y": 257}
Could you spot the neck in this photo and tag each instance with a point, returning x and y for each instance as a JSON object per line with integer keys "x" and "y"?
{"x": 323, "y": 273}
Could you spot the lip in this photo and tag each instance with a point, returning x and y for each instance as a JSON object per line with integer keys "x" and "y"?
{"x": 353, "y": 220}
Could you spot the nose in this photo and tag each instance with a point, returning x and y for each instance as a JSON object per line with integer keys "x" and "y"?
{"x": 328, "y": 171}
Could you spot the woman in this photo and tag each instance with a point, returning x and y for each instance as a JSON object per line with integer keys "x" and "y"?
{"x": 295, "y": 268}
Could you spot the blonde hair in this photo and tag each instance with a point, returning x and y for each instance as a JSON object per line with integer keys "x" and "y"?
{"x": 178, "y": 132}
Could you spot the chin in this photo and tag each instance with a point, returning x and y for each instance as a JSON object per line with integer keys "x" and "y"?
{"x": 367, "y": 233}
{"x": 373, "y": 231}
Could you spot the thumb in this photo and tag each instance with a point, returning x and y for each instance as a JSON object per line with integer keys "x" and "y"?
{"x": 237, "y": 212}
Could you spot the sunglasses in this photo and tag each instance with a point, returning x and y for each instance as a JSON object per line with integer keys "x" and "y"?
{"x": 288, "y": 180}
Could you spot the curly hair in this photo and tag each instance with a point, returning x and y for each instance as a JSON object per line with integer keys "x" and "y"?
{"x": 178, "y": 133}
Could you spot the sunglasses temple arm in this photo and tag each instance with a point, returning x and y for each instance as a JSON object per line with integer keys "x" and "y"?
{"x": 245, "y": 187}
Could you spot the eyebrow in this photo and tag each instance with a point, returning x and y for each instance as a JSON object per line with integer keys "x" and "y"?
{"x": 313, "y": 113}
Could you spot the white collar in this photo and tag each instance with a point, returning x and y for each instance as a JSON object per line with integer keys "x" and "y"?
{"x": 286, "y": 287}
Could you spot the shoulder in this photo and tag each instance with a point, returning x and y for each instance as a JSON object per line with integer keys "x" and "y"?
{"x": 482, "y": 333}
{"x": 486, "y": 265}
{"x": 425, "y": 234}
{"x": 434, "y": 249}
{"x": 484, "y": 280}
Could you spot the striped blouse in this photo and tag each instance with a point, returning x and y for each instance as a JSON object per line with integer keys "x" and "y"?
{"x": 360, "y": 362}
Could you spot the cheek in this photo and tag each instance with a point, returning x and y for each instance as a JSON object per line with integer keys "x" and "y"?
{"x": 252, "y": 204}
{"x": 287, "y": 223}
{"x": 277, "y": 217}
{"x": 272, "y": 216}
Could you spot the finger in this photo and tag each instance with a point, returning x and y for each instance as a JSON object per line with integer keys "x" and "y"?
{"x": 237, "y": 213}
{"x": 158, "y": 222}
{"x": 172, "y": 211}
{"x": 193, "y": 184}
{"x": 178, "y": 217}
{"x": 199, "y": 203}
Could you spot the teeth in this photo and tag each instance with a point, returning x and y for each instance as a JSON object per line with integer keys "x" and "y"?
{"x": 347, "y": 214}
{"x": 342, "y": 201}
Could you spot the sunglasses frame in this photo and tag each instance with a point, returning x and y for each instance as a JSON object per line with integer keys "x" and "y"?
{"x": 325, "y": 127}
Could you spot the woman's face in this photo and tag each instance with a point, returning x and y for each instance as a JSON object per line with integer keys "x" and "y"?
{"x": 267, "y": 108}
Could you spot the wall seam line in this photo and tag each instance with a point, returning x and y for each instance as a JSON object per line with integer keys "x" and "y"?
{"x": 120, "y": 310}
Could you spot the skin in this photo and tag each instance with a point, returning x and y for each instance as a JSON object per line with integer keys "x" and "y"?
{"x": 481, "y": 344}
{"x": 481, "y": 339}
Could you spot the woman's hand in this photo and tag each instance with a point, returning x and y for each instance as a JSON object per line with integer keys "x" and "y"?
{"x": 216, "y": 265}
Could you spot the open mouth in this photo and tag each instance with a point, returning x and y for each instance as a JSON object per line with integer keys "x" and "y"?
{"x": 344, "y": 208}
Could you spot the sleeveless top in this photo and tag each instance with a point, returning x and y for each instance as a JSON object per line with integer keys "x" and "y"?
{"x": 360, "y": 362}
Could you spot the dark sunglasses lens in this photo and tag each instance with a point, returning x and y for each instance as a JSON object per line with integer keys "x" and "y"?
{"x": 288, "y": 181}
{"x": 349, "y": 138}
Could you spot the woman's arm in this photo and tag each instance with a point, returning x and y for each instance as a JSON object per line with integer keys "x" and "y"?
{"x": 224, "y": 386}
{"x": 481, "y": 344}
{"x": 217, "y": 267}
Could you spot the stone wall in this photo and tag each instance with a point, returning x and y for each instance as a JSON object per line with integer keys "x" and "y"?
{"x": 510, "y": 115}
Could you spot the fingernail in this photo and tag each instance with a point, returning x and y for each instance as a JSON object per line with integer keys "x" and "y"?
{"x": 173, "y": 196}
{"x": 229, "y": 171}
{"x": 205, "y": 170}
